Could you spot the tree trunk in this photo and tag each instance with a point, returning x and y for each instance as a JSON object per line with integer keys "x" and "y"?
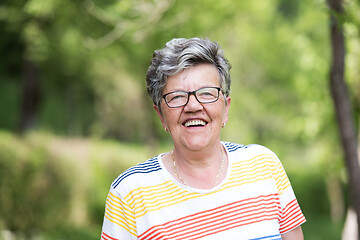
{"x": 342, "y": 105}
{"x": 30, "y": 96}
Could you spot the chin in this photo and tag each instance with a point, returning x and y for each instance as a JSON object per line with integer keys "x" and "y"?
{"x": 196, "y": 144}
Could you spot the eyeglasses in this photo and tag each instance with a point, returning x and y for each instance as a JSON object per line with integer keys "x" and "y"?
{"x": 181, "y": 98}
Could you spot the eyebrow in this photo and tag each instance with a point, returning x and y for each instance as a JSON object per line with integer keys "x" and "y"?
{"x": 181, "y": 90}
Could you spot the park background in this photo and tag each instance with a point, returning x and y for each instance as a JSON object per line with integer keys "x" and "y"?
{"x": 75, "y": 111}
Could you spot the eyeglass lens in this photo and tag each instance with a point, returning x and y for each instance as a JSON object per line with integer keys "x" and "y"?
{"x": 203, "y": 95}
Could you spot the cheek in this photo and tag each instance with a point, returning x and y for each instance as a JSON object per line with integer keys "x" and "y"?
{"x": 171, "y": 117}
{"x": 221, "y": 112}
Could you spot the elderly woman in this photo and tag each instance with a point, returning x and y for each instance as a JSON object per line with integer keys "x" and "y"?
{"x": 203, "y": 188}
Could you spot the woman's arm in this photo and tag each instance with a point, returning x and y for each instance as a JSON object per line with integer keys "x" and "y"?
{"x": 295, "y": 234}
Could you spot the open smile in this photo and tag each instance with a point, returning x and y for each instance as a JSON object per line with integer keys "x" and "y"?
{"x": 195, "y": 123}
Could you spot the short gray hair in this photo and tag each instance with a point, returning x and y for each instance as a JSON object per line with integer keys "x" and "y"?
{"x": 179, "y": 54}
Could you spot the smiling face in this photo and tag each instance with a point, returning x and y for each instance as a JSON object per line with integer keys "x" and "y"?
{"x": 195, "y": 126}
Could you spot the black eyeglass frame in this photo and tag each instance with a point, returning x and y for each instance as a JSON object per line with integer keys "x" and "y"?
{"x": 192, "y": 93}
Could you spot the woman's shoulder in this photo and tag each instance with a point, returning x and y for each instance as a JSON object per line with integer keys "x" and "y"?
{"x": 248, "y": 149}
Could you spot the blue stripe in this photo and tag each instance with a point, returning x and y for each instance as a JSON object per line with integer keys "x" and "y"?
{"x": 273, "y": 237}
{"x": 233, "y": 146}
{"x": 151, "y": 165}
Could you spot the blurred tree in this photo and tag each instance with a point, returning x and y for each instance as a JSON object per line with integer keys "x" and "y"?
{"x": 78, "y": 67}
{"x": 46, "y": 65}
{"x": 343, "y": 108}
{"x": 30, "y": 96}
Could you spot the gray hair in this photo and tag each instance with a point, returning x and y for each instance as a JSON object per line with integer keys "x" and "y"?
{"x": 179, "y": 54}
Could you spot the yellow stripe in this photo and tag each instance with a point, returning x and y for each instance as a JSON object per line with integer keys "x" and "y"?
{"x": 236, "y": 183}
{"x": 275, "y": 166}
{"x": 122, "y": 224}
{"x": 141, "y": 210}
{"x": 283, "y": 186}
{"x": 118, "y": 212}
{"x": 151, "y": 188}
{"x": 149, "y": 192}
{"x": 152, "y": 198}
{"x": 158, "y": 199}
{"x": 254, "y": 160}
{"x": 248, "y": 173}
{"x": 121, "y": 218}
{"x": 156, "y": 206}
{"x": 128, "y": 218}
{"x": 119, "y": 203}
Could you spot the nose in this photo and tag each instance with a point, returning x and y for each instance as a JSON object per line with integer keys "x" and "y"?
{"x": 193, "y": 104}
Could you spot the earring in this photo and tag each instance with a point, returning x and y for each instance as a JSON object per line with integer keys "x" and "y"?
{"x": 166, "y": 129}
{"x": 223, "y": 125}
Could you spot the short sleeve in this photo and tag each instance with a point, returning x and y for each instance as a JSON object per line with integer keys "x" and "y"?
{"x": 119, "y": 218}
{"x": 291, "y": 214}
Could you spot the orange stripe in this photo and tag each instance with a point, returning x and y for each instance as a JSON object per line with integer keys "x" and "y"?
{"x": 295, "y": 225}
{"x": 296, "y": 221}
{"x": 214, "y": 217}
{"x": 108, "y": 237}
{"x": 217, "y": 220}
{"x": 289, "y": 210}
{"x": 206, "y": 232}
{"x": 216, "y": 228}
{"x": 292, "y": 217}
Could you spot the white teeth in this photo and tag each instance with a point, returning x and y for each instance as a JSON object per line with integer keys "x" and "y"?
{"x": 195, "y": 123}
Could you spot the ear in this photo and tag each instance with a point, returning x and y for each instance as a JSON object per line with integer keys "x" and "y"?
{"x": 226, "y": 110}
{"x": 159, "y": 113}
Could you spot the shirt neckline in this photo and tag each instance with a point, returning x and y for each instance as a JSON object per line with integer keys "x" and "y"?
{"x": 192, "y": 189}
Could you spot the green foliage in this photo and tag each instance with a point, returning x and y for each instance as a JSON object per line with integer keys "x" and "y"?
{"x": 319, "y": 228}
{"x": 27, "y": 183}
{"x": 89, "y": 59}
{"x": 310, "y": 187}
{"x": 92, "y": 57}
{"x": 71, "y": 233}
{"x": 48, "y": 184}
{"x": 65, "y": 181}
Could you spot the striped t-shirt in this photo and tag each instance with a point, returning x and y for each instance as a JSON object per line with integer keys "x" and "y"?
{"x": 254, "y": 201}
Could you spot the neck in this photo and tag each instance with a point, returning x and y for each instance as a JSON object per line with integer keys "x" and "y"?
{"x": 199, "y": 158}
{"x": 200, "y": 169}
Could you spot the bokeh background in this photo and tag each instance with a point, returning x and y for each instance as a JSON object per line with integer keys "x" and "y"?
{"x": 74, "y": 112}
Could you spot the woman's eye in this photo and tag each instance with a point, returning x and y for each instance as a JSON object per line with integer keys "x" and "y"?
{"x": 206, "y": 94}
{"x": 177, "y": 97}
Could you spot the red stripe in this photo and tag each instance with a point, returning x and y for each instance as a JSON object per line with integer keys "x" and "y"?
{"x": 205, "y": 231}
{"x": 289, "y": 210}
{"x": 218, "y": 224}
{"x": 295, "y": 225}
{"x": 216, "y": 220}
{"x": 292, "y": 217}
{"x": 215, "y": 210}
{"x": 296, "y": 221}
{"x": 239, "y": 224}
{"x": 253, "y": 208}
{"x": 290, "y": 206}
{"x": 226, "y": 226}
{"x": 194, "y": 217}
{"x": 107, "y": 237}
